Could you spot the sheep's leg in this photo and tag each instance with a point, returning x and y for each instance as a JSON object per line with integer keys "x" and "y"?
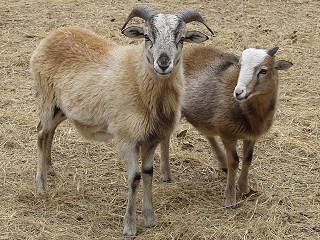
{"x": 147, "y": 155}
{"x": 130, "y": 155}
{"x": 247, "y": 159}
{"x": 46, "y": 129}
{"x": 233, "y": 164}
{"x": 221, "y": 156}
{"x": 50, "y": 169}
{"x": 164, "y": 163}
{"x": 41, "y": 177}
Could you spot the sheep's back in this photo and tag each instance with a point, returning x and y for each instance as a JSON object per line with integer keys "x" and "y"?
{"x": 208, "y": 103}
{"x": 72, "y": 47}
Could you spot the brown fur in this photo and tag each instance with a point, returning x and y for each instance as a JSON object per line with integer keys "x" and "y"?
{"x": 210, "y": 107}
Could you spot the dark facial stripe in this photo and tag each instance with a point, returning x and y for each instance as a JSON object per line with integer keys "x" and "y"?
{"x": 177, "y": 31}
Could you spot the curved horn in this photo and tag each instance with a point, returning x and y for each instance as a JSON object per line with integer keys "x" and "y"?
{"x": 189, "y": 15}
{"x": 272, "y": 51}
{"x": 141, "y": 11}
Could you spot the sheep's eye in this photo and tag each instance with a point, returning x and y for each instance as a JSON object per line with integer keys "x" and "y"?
{"x": 263, "y": 71}
{"x": 182, "y": 40}
{"x": 146, "y": 37}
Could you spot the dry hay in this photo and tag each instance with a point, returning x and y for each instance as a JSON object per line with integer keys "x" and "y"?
{"x": 87, "y": 199}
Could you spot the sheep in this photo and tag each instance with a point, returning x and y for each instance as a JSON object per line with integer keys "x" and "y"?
{"x": 231, "y": 97}
{"x": 130, "y": 93}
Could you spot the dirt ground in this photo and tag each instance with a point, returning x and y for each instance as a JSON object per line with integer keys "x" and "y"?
{"x": 88, "y": 197}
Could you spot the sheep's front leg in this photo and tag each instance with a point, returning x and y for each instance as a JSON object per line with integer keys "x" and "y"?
{"x": 147, "y": 155}
{"x": 233, "y": 164}
{"x": 164, "y": 163}
{"x": 247, "y": 159}
{"x": 130, "y": 156}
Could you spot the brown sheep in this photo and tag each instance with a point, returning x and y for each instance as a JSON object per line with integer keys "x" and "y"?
{"x": 231, "y": 97}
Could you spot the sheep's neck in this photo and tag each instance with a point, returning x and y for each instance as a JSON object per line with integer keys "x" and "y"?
{"x": 161, "y": 94}
{"x": 260, "y": 111}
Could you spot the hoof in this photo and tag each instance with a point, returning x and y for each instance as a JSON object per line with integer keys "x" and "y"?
{"x": 249, "y": 193}
{"x": 150, "y": 222}
{"x": 130, "y": 231}
{"x": 167, "y": 180}
{"x": 52, "y": 174}
{"x": 149, "y": 218}
{"x": 230, "y": 203}
{"x": 130, "y": 228}
{"x": 51, "y": 171}
{"x": 234, "y": 206}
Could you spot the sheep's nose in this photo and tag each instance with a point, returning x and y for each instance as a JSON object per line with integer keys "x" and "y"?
{"x": 163, "y": 61}
{"x": 238, "y": 92}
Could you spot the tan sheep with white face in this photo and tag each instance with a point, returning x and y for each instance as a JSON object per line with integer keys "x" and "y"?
{"x": 131, "y": 93}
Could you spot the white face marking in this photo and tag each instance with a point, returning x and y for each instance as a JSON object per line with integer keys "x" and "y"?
{"x": 250, "y": 59}
{"x": 163, "y": 21}
{"x": 165, "y": 36}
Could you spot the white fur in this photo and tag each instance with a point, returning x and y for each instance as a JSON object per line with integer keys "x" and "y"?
{"x": 250, "y": 59}
{"x": 166, "y": 26}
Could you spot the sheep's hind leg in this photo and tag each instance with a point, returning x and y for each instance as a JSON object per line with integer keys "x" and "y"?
{"x": 46, "y": 129}
{"x": 130, "y": 156}
{"x": 247, "y": 159}
{"x": 164, "y": 163}
{"x": 221, "y": 156}
{"x": 147, "y": 155}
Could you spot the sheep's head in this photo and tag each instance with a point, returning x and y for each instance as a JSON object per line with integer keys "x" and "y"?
{"x": 258, "y": 72}
{"x": 164, "y": 36}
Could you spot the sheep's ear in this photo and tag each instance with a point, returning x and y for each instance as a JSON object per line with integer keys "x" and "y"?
{"x": 195, "y": 36}
{"x": 133, "y": 32}
{"x": 282, "y": 65}
{"x": 231, "y": 57}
